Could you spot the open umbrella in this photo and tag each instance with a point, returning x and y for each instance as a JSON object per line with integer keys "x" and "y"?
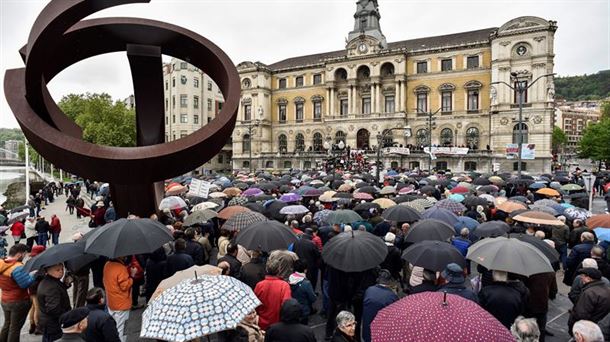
{"x": 366, "y": 206}
{"x": 127, "y": 237}
{"x": 266, "y": 236}
{"x": 198, "y": 307}
{"x": 237, "y": 200}
{"x": 312, "y": 193}
{"x": 545, "y": 202}
{"x": 538, "y": 217}
{"x": 172, "y": 202}
{"x": 577, "y": 213}
{"x": 205, "y": 205}
{"x": 385, "y": 203}
{"x": 544, "y": 209}
{"x": 510, "y": 255}
{"x": 473, "y": 201}
{"x": 510, "y": 206}
{"x": 599, "y": 221}
{"x": 227, "y": 212}
{"x": 571, "y": 187}
{"x": 345, "y": 216}
{"x": 542, "y": 246}
{"x": 603, "y": 234}
{"x": 451, "y": 205}
{"x": 180, "y": 276}
{"x": 491, "y": 229}
{"x": 294, "y": 210}
{"x": 242, "y": 220}
{"x": 401, "y": 213}
{"x": 290, "y": 197}
{"x": 440, "y": 214}
{"x": 217, "y": 195}
{"x": 488, "y": 189}
{"x": 57, "y": 254}
{"x": 429, "y": 229}
{"x": 200, "y": 217}
{"x": 354, "y": 251}
{"x": 437, "y": 316}
{"x": 433, "y": 255}
{"x": 362, "y": 196}
{"x": 387, "y": 190}
{"x": 232, "y": 192}
{"x": 465, "y": 222}
{"x": 17, "y": 216}
{"x": 252, "y": 192}
{"x": 254, "y": 206}
{"x": 176, "y": 190}
{"x": 548, "y": 192}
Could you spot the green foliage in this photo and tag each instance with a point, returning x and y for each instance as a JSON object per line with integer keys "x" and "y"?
{"x": 585, "y": 87}
{"x": 103, "y": 122}
{"x": 605, "y": 110}
{"x": 559, "y": 138}
{"x": 10, "y": 134}
{"x": 594, "y": 143}
{"x": 32, "y": 153}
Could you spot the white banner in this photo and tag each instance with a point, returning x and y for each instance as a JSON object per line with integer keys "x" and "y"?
{"x": 448, "y": 150}
{"x": 396, "y": 150}
{"x": 199, "y": 188}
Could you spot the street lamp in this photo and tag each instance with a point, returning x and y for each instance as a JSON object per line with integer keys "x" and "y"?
{"x": 251, "y": 125}
{"x": 520, "y": 88}
{"x": 431, "y": 125}
{"x": 381, "y": 139}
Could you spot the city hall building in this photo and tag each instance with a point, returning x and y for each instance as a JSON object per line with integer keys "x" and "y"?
{"x": 294, "y": 111}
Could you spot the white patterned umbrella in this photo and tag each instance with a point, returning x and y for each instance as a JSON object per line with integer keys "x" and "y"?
{"x": 198, "y": 307}
{"x": 172, "y": 202}
{"x": 205, "y": 205}
{"x": 294, "y": 210}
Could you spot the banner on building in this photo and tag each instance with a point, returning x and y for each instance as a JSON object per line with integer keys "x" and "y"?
{"x": 448, "y": 150}
{"x": 396, "y": 150}
{"x": 199, "y": 188}
{"x": 528, "y": 151}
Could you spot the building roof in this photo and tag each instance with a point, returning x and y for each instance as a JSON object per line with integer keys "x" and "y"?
{"x": 411, "y": 45}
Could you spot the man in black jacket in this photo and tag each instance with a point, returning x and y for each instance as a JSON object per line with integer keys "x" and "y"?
{"x": 504, "y": 300}
{"x": 193, "y": 248}
{"x": 179, "y": 260}
{"x": 53, "y": 301}
{"x": 594, "y": 301}
{"x": 289, "y": 329}
{"x": 101, "y": 326}
{"x": 307, "y": 251}
{"x": 392, "y": 262}
{"x": 254, "y": 271}
{"x": 42, "y": 227}
{"x": 231, "y": 258}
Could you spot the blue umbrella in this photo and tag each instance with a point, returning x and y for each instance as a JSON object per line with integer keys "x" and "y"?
{"x": 603, "y": 234}
{"x": 465, "y": 222}
{"x": 290, "y": 197}
{"x": 537, "y": 186}
{"x": 392, "y": 173}
{"x": 441, "y": 214}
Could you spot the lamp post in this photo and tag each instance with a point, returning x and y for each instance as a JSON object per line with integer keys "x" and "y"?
{"x": 251, "y": 125}
{"x": 520, "y": 88}
{"x": 431, "y": 124}
{"x": 380, "y": 140}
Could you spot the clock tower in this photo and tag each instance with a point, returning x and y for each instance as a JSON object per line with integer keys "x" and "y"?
{"x": 366, "y": 37}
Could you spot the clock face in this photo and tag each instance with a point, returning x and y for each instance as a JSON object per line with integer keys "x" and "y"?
{"x": 362, "y": 48}
{"x": 521, "y": 50}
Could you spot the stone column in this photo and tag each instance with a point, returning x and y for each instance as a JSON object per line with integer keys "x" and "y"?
{"x": 332, "y": 102}
{"x": 373, "y": 99}
{"x": 327, "y": 102}
{"x": 349, "y": 99}
{"x": 397, "y": 96}
{"x": 402, "y": 96}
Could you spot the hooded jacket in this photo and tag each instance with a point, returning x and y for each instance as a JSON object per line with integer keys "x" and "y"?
{"x": 289, "y": 329}
{"x": 302, "y": 291}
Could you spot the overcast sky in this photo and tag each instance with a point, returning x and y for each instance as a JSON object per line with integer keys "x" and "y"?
{"x": 271, "y": 30}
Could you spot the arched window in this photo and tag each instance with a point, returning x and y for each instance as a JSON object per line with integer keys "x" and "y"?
{"x": 387, "y": 70}
{"x": 516, "y": 134}
{"x": 340, "y": 75}
{"x": 388, "y": 140}
{"x": 472, "y": 138}
{"x": 446, "y": 137}
{"x": 282, "y": 143}
{"x": 421, "y": 136}
{"x": 245, "y": 144}
{"x": 339, "y": 136}
{"x": 299, "y": 142}
{"x": 317, "y": 142}
{"x": 363, "y": 72}
{"x": 362, "y": 139}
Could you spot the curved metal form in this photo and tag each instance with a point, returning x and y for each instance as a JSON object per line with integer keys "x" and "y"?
{"x": 60, "y": 38}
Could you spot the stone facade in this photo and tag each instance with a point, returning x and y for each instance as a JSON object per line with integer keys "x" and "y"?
{"x": 290, "y": 108}
{"x": 192, "y": 100}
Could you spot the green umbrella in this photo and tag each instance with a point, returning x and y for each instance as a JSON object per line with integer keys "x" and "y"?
{"x": 200, "y": 216}
{"x": 571, "y": 187}
{"x": 343, "y": 216}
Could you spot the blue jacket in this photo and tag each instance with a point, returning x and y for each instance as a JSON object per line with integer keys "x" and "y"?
{"x": 460, "y": 290}
{"x": 376, "y": 298}
{"x": 302, "y": 291}
{"x": 461, "y": 244}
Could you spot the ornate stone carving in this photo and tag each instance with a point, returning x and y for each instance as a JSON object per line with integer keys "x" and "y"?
{"x": 505, "y": 43}
{"x": 282, "y": 101}
{"x": 329, "y": 129}
{"x": 537, "y": 119}
{"x": 246, "y": 101}
{"x": 493, "y": 95}
{"x": 374, "y": 63}
{"x": 504, "y": 121}
{"x": 237, "y": 132}
{"x": 458, "y": 125}
{"x": 446, "y": 86}
{"x": 351, "y": 128}
{"x": 291, "y": 132}
{"x": 550, "y": 92}
{"x": 374, "y": 127}
{"x": 473, "y": 85}
{"x": 539, "y": 65}
{"x": 308, "y": 131}
{"x": 254, "y": 76}
{"x": 351, "y": 66}
{"x": 504, "y": 68}
{"x": 329, "y": 68}
{"x": 399, "y": 59}
{"x": 317, "y": 98}
{"x": 521, "y": 24}
{"x": 539, "y": 38}
{"x": 299, "y": 99}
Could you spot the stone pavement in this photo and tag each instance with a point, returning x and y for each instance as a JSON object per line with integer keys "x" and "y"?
{"x": 557, "y": 315}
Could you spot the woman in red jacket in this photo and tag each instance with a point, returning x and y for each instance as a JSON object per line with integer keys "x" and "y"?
{"x": 272, "y": 292}
{"x": 17, "y": 230}
{"x": 55, "y": 229}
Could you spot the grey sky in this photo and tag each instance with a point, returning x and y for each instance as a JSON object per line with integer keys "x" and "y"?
{"x": 271, "y": 30}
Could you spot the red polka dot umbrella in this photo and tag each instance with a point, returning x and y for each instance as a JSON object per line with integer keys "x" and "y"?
{"x": 429, "y": 316}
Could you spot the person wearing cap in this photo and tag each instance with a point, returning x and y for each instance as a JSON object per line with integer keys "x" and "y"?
{"x": 376, "y": 297}
{"x": 594, "y": 301}
{"x": 101, "y": 326}
{"x": 577, "y": 285}
{"x": 455, "y": 282}
{"x": 392, "y": 262}
{"x": 53, "y": 301}
{"x": 73, "y": 324}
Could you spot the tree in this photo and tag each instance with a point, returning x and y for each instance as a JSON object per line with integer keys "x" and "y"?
{"x": 594, "y": 143}
{"x": 559, "y": 139}
{"x": 605, "y": 110}
{"x": 103, "y": 122}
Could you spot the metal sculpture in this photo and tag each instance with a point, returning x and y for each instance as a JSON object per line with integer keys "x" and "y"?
{"x": 58, "y": 39}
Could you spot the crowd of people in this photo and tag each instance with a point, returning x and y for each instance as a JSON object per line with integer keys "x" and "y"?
{"x": 296, "y": 283}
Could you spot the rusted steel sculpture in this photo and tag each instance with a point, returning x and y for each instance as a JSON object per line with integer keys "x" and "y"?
{"x": 58, "y": 39}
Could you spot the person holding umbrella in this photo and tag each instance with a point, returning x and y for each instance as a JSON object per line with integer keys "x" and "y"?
{"x": 53, "y": 301}
{"x": 376, "y": 298}
{"x": 454, "y": 277}
{"x": 505, "y": 301}
{"x": 118, "y": 282}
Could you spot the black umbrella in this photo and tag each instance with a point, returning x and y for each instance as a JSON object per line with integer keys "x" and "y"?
{"x": 401, "y": 213}
{"x": 481, "y": 181}
{"x": 542, "y": 246}
{"x": 517, "y": 212}
{"x": 427, "y": 189}
{"x": 263, "y": 197}
{"x": 342, "y": 194}
{"x": 255, "y": 207}
{"x": 273, "y": 210}
{"x": 407, "y": 198}
{"x": 578, "y": 195}
{"x": 354, "y": 251}
{"x": 55, "y": 255}
{"x": 488, "y": 189}
{"x": 20, "y": 208}
{"x": 491, "y": 229}
{"x": 368, "y": 189}
{"x": 266, "y": 236}
{"x": 127, "y": 237}
{"x": 241, "y": 185}
{"x": 429, "y": 229}
{"x": 336, "y": 184}
{"x": 267, "y": 186}
{"x": 366, "y": 206}
{"x": 521, "y": 199}
{"x": 473, "y": 201}
{"x": 286, "y": 188}
{"x": 433, "y": 255}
